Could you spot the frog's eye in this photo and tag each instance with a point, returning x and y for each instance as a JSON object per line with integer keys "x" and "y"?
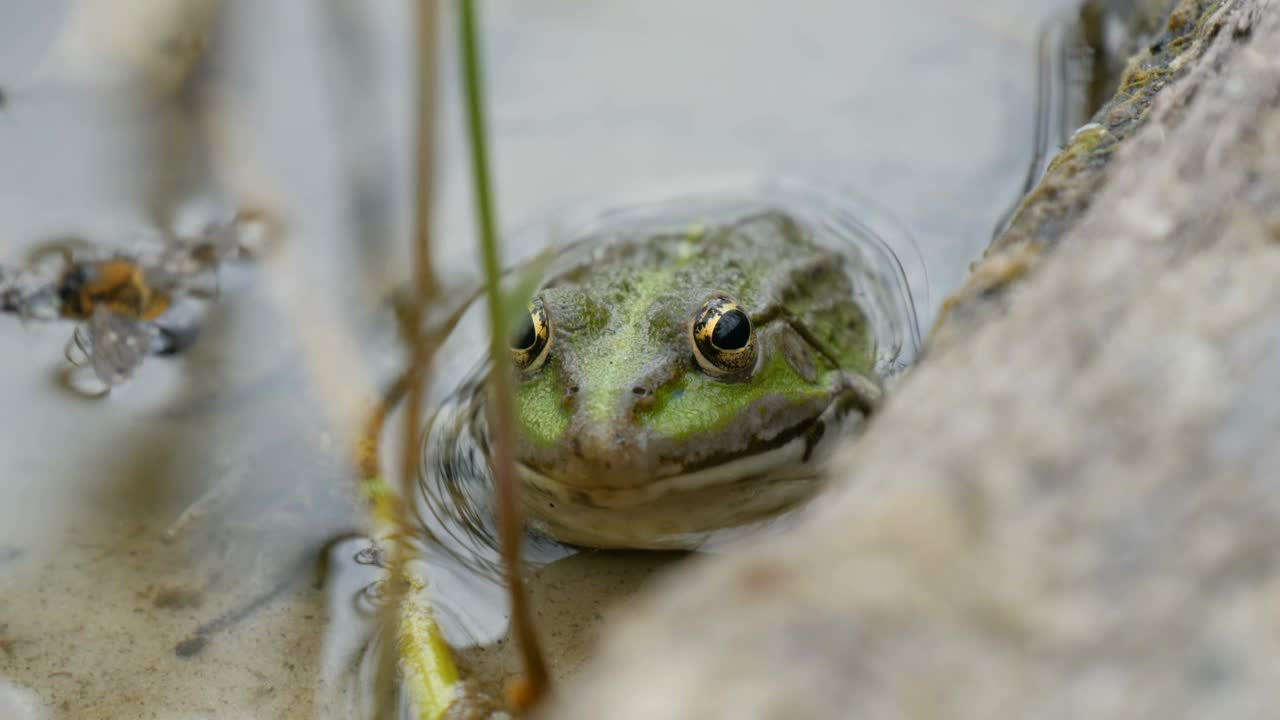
{"x": 724, "y": 343}
{"x": 532, "y": 340}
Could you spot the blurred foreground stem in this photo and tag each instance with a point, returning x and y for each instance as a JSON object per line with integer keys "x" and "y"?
{"x": 508, "y": 489}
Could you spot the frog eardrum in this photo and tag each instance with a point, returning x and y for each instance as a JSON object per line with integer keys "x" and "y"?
{"x": 532, "y": 342}
{"x": 724, "y": 342}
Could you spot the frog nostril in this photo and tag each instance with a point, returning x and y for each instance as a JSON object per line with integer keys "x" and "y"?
{"x": 644, "y": 398}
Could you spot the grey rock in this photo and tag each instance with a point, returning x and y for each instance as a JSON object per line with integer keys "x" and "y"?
{"x": 1071, "y": 508}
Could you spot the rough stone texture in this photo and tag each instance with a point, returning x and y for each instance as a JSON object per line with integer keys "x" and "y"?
{"x": 1172, "y": 38}
{"x": 1071, "y": 508}
{"x": 1115, "y": 30}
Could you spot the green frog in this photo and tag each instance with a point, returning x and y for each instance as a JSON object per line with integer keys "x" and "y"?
{"x": 671, "y": 385}
{"x": 675, "y": 385}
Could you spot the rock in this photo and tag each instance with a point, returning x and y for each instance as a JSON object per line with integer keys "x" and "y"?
{"x": 1071, "y": 508}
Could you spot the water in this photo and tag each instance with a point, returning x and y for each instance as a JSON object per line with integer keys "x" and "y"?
{"x": 1064, "y": 96}
{"x": 187, "y": 509}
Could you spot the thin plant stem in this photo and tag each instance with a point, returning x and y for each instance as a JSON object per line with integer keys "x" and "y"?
{"x": 417, "y": 649}
{"x": 508, "y": 489}
{"x": 424, "y": 280}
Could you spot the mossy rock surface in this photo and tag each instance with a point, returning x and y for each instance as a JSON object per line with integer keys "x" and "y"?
{"x": 1172, "y": 39}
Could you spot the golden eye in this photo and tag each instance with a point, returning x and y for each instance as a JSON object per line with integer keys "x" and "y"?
{"x": 724, "y": 343}
{"x": 532, "y": 341}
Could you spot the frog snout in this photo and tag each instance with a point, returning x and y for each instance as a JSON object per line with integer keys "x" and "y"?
{"x": 597, "y": 447}
{"x": 604, "y": 456}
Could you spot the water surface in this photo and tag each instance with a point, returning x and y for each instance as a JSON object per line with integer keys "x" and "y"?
{"x": 158, "y": 547}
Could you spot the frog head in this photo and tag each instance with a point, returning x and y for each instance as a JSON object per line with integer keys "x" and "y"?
{"x": 672, "y": 384}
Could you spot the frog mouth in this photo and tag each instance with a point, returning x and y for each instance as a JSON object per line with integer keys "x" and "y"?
{"x": 792, "y": 455}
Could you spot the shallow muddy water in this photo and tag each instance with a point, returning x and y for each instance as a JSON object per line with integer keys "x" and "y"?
{"x": 159, "y": 547}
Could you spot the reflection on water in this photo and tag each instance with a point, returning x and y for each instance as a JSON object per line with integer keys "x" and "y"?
{"x": 1065, "y": 68}
{"x": 353, "y": 640}
{"x": 193, "y": 503}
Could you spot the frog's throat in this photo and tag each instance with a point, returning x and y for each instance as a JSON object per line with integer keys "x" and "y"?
{"x": 681, "y": 511}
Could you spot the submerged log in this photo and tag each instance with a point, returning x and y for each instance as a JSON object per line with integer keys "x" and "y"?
{"x": 1071, "y": 507}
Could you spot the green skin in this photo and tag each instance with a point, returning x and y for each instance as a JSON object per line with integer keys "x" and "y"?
{"x": 622, "y": 434}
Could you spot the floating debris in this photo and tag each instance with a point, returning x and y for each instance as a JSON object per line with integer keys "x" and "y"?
{"x": 128, "y": 305}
